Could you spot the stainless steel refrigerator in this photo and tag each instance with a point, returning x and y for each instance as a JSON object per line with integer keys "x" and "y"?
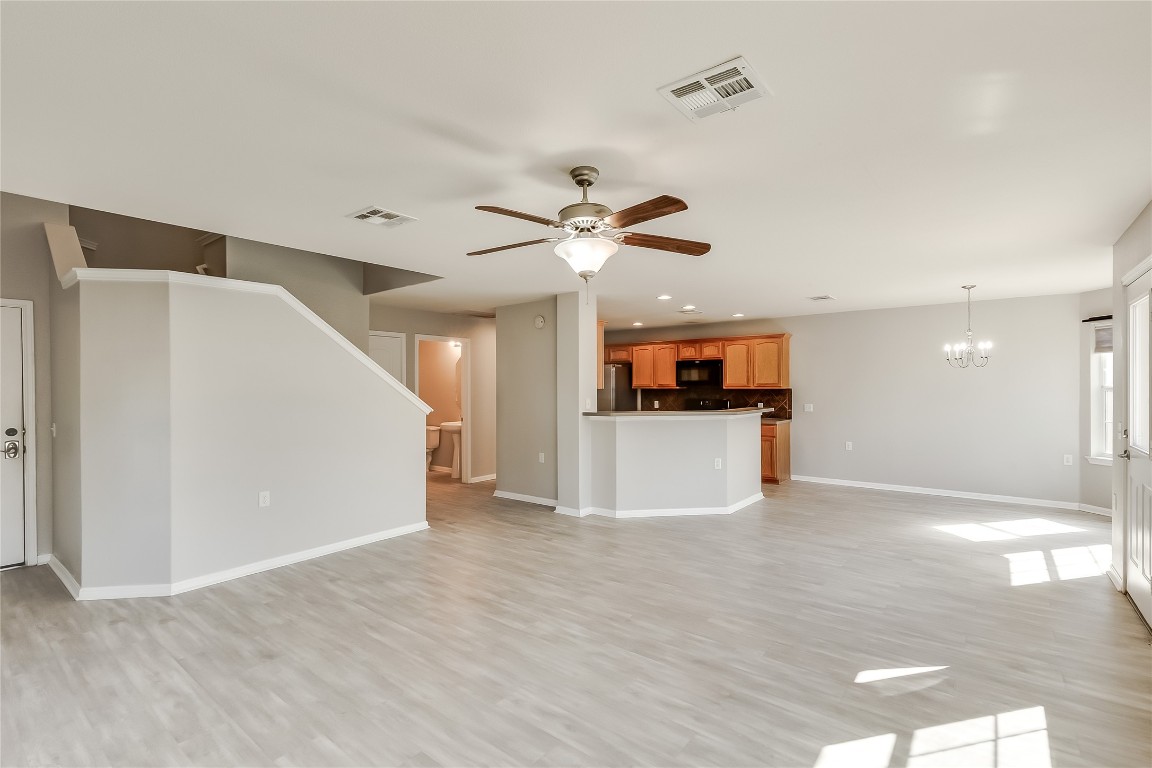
{"x": 617, "y": 394}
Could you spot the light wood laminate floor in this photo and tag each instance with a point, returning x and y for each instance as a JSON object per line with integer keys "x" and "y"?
{"x": 508, "y": 635}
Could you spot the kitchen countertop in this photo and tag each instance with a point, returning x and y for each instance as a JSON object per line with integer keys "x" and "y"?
{"x": 657, "y": 412}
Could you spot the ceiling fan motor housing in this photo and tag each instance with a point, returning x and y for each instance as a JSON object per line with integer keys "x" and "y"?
{"x": 584, "y": 217}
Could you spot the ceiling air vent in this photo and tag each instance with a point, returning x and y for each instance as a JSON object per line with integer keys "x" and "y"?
{"x": 689, "y": 311}
{"x": 825, "y": 297}
{"x": 716, "y": 90}
{"x": 374, "y": 214}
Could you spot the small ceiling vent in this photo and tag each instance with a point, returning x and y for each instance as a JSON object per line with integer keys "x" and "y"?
{"x": 716, "y": 90}
{"x": 374, "y": 214}
{"x": 825, "y": 297}
{"x": 689, "y": 311}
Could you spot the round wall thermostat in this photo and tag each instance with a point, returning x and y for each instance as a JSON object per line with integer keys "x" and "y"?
{"x": 539, "y": 321}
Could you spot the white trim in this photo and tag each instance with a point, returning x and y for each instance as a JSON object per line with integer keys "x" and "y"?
{"x": 66, "y": 578}
{"x": 43, "y": 559}
{"x": 1137, "y": 271}
{"x": 1114, "y": 577}
{"x": 943, "y": 492}
{"x": 435, "y": 468}
{"x": 1103, "y": 461}
{"x": 482, "y": 478}
{"x": 1096, "y": 510}
{"x": 672, "y": 512}
{"x": 90, "y": 245}
{"x": 244, "y": 286}
{"x": 197, "y": 582}
{"x": 210, "y": 237}
{"x": 29, "y": 438}
{"x": 573, "y": 512}
{"x": 276, "y": 562}
{"x": 524, "y": 497}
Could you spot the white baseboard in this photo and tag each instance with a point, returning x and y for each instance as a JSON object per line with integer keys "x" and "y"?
{"x": 524, "y": 497}
{"x": 65, "y": 577}
{"x": 43, "y": 559}
{"x": 482, "y": 478}
{"x": 435, "y": 468}
{"x": 186, "y": 585}
{"x": 1114, "y": 577}
{"x": 943, "y": 492}
{"x": 1096, "y": 510}
{"x": 671, "y": 512}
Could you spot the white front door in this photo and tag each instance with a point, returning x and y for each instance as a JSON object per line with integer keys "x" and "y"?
{"x": 387, "y": 349}
{"x": 12, "y": 429}
{"x": 1138, "y": 557}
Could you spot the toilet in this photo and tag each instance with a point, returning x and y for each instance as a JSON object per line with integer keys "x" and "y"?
{"x": 453, "y": 428}
{"x": 431, "y": 443}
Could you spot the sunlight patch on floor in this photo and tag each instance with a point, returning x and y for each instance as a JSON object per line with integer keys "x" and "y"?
{"x": 1071, "y": 563}
{"x": 872, "y": 675}
{"x": 1016, "y": 739}
{"x": 1007, "y": 529}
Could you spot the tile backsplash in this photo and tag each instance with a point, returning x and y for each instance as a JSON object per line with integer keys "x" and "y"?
{"x": 673, "y": 399}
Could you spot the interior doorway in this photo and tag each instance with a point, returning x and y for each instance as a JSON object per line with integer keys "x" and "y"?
{"x": 1138, "y": 506}
{"x": 441, "y": 378}
{"x": 18, "y": 424}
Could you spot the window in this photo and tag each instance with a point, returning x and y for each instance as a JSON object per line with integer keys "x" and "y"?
{"x": 1102, "y": 407}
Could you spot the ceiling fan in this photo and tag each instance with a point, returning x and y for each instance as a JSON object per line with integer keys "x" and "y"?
{"x": 594, "y": 231}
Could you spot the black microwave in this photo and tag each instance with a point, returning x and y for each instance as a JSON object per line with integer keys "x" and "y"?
{"x": 698, "y": 373}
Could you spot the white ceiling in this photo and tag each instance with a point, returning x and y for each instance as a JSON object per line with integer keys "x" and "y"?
{"x": 908, "y": 147}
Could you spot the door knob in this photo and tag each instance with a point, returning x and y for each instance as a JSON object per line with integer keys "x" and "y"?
{"x": 1124, "y": 455}
{"x": 11, "y": 449}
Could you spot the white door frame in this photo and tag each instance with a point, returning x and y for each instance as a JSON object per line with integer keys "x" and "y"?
{"x": 404, "y": 350}
{"x": 1120, "y": 480}
{"x": 465, "y": 395}
{"x": 28, "y": 362}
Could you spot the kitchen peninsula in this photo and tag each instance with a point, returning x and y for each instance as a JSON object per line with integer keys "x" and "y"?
{"x": 657, "y": 463}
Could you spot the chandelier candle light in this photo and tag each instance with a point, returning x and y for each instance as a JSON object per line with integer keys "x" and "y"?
{"x": 964, "y": 354}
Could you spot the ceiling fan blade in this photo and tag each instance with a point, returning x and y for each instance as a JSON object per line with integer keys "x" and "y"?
{"x": 518, "y": 215}
{"x": 653, "y": 209}
{"x": 675, "y": 244}
{"x": 514, "y": 245}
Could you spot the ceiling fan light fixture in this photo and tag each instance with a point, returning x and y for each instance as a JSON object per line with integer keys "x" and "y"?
{"x": 586, "y": 254}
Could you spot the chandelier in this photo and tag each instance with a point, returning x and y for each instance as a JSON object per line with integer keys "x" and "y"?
{"x": 964, "y": 354}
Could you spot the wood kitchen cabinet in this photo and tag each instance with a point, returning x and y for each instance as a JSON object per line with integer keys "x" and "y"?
{"x": 618, "y": 353}
{"x": 700, "y": 349}
{"x": 775, "y": 452}
{"x": 758, "y": 362}
{"x": 654, "y": 366}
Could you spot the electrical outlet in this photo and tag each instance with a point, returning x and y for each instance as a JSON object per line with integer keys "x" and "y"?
{"x": 541, "y": 457}
{"x": 1067, "y": 459}
{"x": 759, "y": 405}
{"x": 587, "y": 404}
{"x": 807, "y": 407}
{"x": 848, "y": 445}
{"x": 656, "y": 404}
{"x": 265, "y": 498}
{"x": 717, "y": 464}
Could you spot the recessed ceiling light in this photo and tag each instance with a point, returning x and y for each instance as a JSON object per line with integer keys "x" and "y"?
{"x": 637, "y": 323}
{"x": 664, "y": 297}
{"x": 688, "y": 306}
{"x": 738, "y": 314}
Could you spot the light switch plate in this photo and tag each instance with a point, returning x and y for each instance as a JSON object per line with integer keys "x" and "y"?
{"x": 265, "y": 498}
{"x": 807, "y": 407}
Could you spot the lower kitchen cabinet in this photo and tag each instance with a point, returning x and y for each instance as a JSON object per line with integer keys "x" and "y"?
{"x": 775, "y": 452}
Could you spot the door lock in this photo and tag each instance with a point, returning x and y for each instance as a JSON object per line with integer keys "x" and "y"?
{"x": 1124, "y": 454}
{"x": 11, "y": 449}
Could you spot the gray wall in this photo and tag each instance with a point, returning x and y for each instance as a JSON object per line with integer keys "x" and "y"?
{"x": 878, "y": 378}
{"x": 526, "y": 399}
{"x": 1095, "y": 479}
{"x": 331, "y": 287}
{"x": 481, "y": 335}
{"x": 262, "y": 400}
{"x": 125, "y": 242}
{"x": 125, "y": 434}
{"x": 26, "y": 272}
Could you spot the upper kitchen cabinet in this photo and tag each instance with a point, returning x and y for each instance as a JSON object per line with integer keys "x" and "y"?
{"x": 700, "y": 349}
{"x": 654, "y": 366}
{"x": 759, "y": 362}
{"x": 619, "y": 353}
